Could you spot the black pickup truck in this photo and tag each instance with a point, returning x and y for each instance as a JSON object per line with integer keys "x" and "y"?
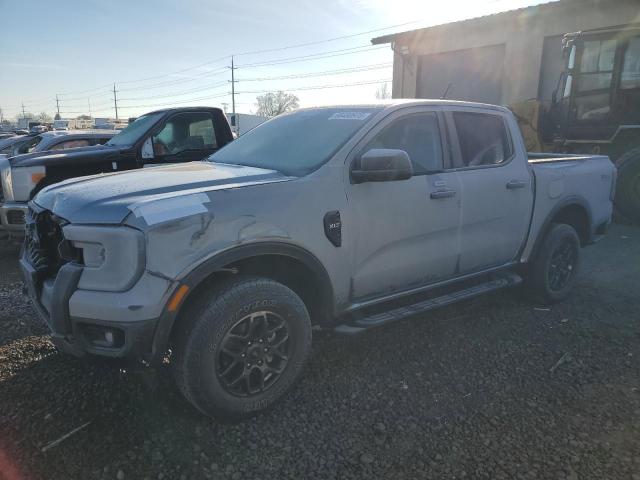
{"x": 172, "y": 135}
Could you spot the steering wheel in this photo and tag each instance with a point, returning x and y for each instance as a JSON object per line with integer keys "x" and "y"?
{"x": 479, "y": 157}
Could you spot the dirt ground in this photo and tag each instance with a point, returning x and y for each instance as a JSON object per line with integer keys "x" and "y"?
{"x": 495, "y": 388}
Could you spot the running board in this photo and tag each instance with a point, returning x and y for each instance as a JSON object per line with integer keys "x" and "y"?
{"x": 359, "y": 325}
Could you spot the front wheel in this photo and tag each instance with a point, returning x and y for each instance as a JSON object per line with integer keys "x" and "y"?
{"x": 242, "y": 348}
{"x": 552, "y": 274}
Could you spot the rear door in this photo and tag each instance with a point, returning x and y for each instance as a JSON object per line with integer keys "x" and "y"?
{"x": 405, "y": 232}
{"x": 496, "y": 188}
{"x": 184, "y": 137}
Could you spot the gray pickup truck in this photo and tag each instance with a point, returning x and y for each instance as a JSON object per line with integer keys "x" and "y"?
{"x": 346, "y": 217}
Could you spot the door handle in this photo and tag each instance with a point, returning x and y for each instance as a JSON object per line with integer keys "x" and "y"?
{"x": 443, "y": 194}
{"x": 513, "y": 184}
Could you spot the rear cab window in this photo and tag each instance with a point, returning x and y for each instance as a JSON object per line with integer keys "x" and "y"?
{"x": 483, "y": 139}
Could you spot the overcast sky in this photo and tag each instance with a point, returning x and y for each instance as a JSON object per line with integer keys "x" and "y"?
{"x": 168, "y": 52}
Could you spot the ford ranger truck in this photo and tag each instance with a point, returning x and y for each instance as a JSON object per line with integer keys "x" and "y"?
{"x": 173, "y": 135}
{"x": 344, "y": 217}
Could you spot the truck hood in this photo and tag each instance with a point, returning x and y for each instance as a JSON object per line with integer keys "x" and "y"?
{"x": 96, "y": 153}
{"x": 108, "y": 198}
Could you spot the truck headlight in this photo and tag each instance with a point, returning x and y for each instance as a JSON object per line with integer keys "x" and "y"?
{"x": 5, "y": 178}
{"x": 113, "y": 257}
{"x": 23, "y": 180}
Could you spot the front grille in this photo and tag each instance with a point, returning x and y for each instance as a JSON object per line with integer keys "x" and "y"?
{"x": 15, "y": 217}
{"x": 43, "y": 236}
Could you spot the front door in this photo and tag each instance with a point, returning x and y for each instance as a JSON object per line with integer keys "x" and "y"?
{"x": 405, "y": 232}
{"x": 496, "y": 190}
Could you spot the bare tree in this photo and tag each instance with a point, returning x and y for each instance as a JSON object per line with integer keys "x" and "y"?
{"x": 274, "y": 103}
{"x": 383, "y": 92}
{"x": 44, "y": 117}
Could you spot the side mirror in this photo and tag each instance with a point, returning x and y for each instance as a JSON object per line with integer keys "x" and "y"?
{"x": 147, "y": 149}
{"x": 382, "y": 165}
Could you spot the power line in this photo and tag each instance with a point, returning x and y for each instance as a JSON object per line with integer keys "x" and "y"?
{"x": 193, "y": 90}
{"x": 364, "y": 68}
{"x": 177, "y": 71}
{"x": 176, "y": 103}
{"x": 316, "y": 56}
{"x": 320, "y": 87}
{"x": 178, "y": 81}
{"x": 343, "y": 37}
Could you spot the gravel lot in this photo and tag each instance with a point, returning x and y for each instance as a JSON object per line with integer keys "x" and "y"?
{"x": 471, "y": 391}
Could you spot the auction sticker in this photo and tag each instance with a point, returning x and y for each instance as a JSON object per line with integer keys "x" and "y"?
{"x": 349, "y": 115}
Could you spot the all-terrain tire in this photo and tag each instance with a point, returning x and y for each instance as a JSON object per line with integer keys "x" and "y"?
{"x": 552, "y": 274}
{"x": 211, "y": 339}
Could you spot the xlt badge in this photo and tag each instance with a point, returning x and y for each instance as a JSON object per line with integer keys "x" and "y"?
{"x": 333, "y": 227}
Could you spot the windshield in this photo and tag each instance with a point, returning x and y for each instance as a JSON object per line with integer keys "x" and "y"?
{"x": 296, "y": 143}
{"x": 132, "y": 133}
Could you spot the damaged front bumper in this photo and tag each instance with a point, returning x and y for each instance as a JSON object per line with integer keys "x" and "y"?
{"x": 106, "y": 324}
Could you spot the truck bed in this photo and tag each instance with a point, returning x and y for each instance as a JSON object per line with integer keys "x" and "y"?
{"x": 586, "y": 179}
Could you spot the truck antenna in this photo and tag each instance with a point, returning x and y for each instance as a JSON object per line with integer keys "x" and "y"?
{"x": 444, "y": 95}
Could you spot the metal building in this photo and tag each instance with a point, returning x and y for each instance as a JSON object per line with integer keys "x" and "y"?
{"x": 503, "y": 58}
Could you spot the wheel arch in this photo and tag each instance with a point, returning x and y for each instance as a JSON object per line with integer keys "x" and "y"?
{"x": 573, "y": 211}
{"x": 294, "y": 266}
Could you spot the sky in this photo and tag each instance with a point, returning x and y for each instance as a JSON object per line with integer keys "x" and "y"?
{"x": 162, "y": 53}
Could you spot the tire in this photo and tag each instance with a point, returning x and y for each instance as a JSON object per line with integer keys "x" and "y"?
{"x": 627, "y": 201}
{"x": 246, "y": 330}
{"x": 552, "y": 274}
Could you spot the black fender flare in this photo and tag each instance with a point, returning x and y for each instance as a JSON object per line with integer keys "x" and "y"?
{"x": 546, "y": 225}
{"x": 217, "y": 263}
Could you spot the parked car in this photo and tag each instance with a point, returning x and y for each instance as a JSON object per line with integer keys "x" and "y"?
{"x": 39, "y": 129}
{"x": 58, "y": 140}
{"x": 7, "y": 145}
{"x": 164, "y": 136}
{"x": 21, "y": 131}
{"x": 13, "y": 196}
{"x": 346, "y": 217}
{"x": 4, "y": 135}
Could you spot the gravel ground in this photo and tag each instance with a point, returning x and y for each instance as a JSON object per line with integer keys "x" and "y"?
{"x": 492, "y": 388}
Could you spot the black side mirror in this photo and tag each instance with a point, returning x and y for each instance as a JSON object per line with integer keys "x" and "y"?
{"x": 382, "y": 165}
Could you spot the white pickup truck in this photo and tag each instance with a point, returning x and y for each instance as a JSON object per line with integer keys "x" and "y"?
{"x": 347, "y": 217}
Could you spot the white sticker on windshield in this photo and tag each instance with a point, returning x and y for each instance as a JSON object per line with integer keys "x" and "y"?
{"x": 349, "y": 116}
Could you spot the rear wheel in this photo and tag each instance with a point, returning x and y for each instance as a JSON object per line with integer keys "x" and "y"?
{"x": 243, "y": 348}
{"x": 552, "y": 274}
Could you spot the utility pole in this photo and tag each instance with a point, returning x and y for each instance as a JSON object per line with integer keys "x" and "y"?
{"x": 57, "y": 105}
{"x": 24, "y": 115}
{"x": 89, "y": 103}
{"x": 225, "y": 105}
{"x": 233, "y": 88}
{"x": 115, "y": 100}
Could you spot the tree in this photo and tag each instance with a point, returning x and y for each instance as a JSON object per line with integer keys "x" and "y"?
{"x": 382, "y": 92}
{"x": 274, "y": 103}
{"x": 83, "y": 117}
{"x": 56, "y": 116}
{"x": 44, "y": 117}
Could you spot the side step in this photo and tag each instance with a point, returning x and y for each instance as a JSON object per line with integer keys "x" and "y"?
{"x": 359, "y": 325}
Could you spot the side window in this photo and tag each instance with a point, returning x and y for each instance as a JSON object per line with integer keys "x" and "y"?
{"x": 185, "y": 131}
{"x": 418, "y": 135}
{"x": 596, "y": 68}
{"x": 631, "y": 65}
{"x": 71, "y": 144}
{"x": 28, "y": 146}
{"x": 483, "y": 139}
